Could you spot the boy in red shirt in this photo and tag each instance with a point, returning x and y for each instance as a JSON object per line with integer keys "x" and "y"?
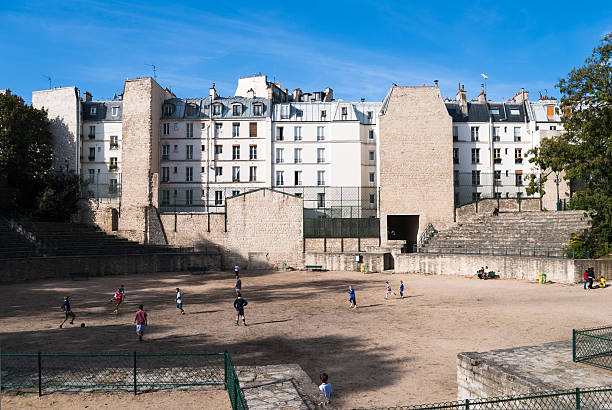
{"x": 117, "y": 298}
{"x": 141, "y": 322}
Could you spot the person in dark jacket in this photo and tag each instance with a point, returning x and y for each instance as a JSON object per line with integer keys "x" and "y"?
{"x": 239, "y": 305}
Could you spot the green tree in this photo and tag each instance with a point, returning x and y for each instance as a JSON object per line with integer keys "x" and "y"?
{"x": 584, "y": 151}
{"x": 26, "y": 150}
{"x": 59, "y": 198}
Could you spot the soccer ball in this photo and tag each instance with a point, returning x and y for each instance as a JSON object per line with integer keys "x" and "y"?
{"x": 83, "y": 324}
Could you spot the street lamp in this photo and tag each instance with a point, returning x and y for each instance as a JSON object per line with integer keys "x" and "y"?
{"x": 557, "y": 181}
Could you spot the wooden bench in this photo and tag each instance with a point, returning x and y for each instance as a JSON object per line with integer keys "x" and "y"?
{"x": 197, "y": 270}
{"x": 313, "y": 268}
{"x": 79, "y": 275}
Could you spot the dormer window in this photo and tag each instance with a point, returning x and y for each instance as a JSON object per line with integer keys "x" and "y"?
{"x": 115, "y": 111}
{"x": 344, "y": 113}
{"x": 257, "y": 109}
{"x": 191, "y": 109}
{"x": 168, "y": 109}
{"x": 299, "y": 113}
{"x": 92, "y": 110}
{"x": 323, "y": 115}
{"x": 236, "y": 110}
{"x": 285, "y": 111}
{"x": 217, "y": 109}
{"x": 494, "y": 111}
{"x": 515, "y": 112}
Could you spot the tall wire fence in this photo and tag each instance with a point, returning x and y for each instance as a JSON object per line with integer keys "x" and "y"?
{"x": 105, "y": 186}
{"x": 593, "y": 346}
{"x": 128, "y": 372}
{"x": 477, "y": 185}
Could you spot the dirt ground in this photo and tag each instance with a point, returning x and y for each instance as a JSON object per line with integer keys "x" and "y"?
{"x": 387, "y": 352}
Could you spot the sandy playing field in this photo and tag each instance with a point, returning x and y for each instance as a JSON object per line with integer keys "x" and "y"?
{"x": 387, "y": 352}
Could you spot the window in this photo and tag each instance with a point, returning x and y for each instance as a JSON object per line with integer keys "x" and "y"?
{"x": 519, "y": 178}
{"x": 474, "y": 131}
{"x": 372, "y": 177}
{"x": 475, "y": 196}
{"x": 494, "y": 111}
{"x": 257, "y": 109}
{"x": 280, "y": 178}
{"x": 455, "y": 133}
{"x": 371, "y": 134}
{"x": 92, "y": 110}
{"x": 176, "y": 148}
{"x": 252, "y": 129}
{"x": 299, "y": 113}
{"x": 166, "y": 128}
{"x": 218, "y": 149}
{"x": 113, "y": 163}
{"x": 188, "y": 174}
{"x": 553, "y": 127}
{"x": 189, "y": 152}
{"x": 235, "y": 151}
{"x": 252, "y": 174}
{"x": 497, "y": 177}
{"x": 497, "y": 195}
{"x": 344, "y": 113}
{"x": 236, "y": 129}
{"x": 321, "y": 200}
{"x": 475, "y": 155}
{"x": 497, "y": 156}
{"x": 371, "y": 155}
{"x": 114, "y": 111}
{"x": 517, "y": 134}
{"x": 203, "y": 169}
{"x": 475, "y": 177}
{"x": 279, "y": 155}
{"x": 495, "y": 134}
{"x": 236, "y": 110}
{"x": 235, "y": 174}
{"x": 217, "y": 109}
{"x": 168, "y": 108}
{"x": 320, "y": 133}
{"x": 112, "y": 185}
{"x": 298, "y": 178}
{"x": 189, "y": 130}
{"x": 323, "y": 115}
{"x": 320, "y": 155}
{"x": 114, "y": 144}
{"x": 176, "y": 126}
{"x": 203, "y": 148}
{"x": 372, "y": 199}
{"x": 297, "y": 133}
{"x": 285, "y": 109}
{"x": 92, "y": 131}
{"x": 297, "y": 155}
{"x": 252, "y": 152}
{"x": 370, "y": 115}
{"x": 455, "y": 155}
{"x": 515, "y": 111}
{"x": 218, "y": 171}
{"x": 165, "y": 151}
{"x": 456, "y": 177}
{"x": 218, "y": 197}
{"x": 279, "y": 133}
{"x": 320, "y": 177}
{"x": 518, "y": 156}
{"x": 92, "y": 173}
{"x": 165, "y": 197}
{"x": 92, "y": 153}
{"x": 189, "y": 197}
{"x": 218, "y": 128}
{"x": 175, "y": 170}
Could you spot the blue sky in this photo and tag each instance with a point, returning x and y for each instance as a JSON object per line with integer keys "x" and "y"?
{"x": 358, "y": 48}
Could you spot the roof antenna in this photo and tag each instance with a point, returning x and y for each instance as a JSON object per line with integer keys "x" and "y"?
{"x": 48, "y": 78}
{"x": 154, "y": 70}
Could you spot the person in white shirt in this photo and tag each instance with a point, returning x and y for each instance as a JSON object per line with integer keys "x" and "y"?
{"x": 179, "y": 301}
{"x": 325, "y": 388}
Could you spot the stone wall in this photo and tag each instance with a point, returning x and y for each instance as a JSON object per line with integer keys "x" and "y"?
{"x": 338, "y": 244}
{"x": 262, "y": 229}
{"x": 345, "y": 260}
{"x": 416, "y": 164}
{"x": 62, "y": 105}
{"x": 15, "y": 270}
{"x": 556, "y": 269}
{"x": 486, "y": 206}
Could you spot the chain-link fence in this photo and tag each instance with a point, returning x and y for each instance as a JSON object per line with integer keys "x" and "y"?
{"x": 593, "y": 346}
{"x": 586, "y": 398}
{"x": 341, "y": 227}
{"x": 522, "y": 251}
{"x": 129, "y": 372}
{"x": 476, "y": 185}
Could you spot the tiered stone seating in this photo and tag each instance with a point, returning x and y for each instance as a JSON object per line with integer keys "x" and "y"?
{"x": 11, "y": 245}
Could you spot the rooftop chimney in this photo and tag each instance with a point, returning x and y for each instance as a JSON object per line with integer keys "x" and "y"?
{"x": 297, "y": 94}
{"x": 329, "y": 94}
{"x": 521, "y": 96}
{"x": 250, "y": 93}
{"x": 461, "y": 99}
{"x": 482, "y": 98}
{"x": 213, "y": 92}
{"x": 436, "y": 83}
{"x": 88, "y": 96}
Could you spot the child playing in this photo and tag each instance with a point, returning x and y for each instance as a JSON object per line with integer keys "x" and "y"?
{"x": 325, "y": 388}
{"x": 401, "y": 288}
{"x": 141, "y": 322}
{"x": 239, "y": 305}
{"x": 117, "y": 299}
{"x": 66, "y": 308}
{"x": 179, "y": 301}
{"x": 236, "y": 271}
{"x": 352, "y": 300}
{"x": 389, "y": 291}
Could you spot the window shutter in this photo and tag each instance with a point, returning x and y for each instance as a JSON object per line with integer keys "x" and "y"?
{"x": 253, "y": 129}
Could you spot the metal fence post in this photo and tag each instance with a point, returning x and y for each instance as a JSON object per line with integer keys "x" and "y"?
{"x": 577, "y": 398}
{"x": 135, "y": 382}
{"x": 467, "y": 404}
{"x": 573, "y": 345}
{"x": 39, "y": 375}
{"x": 226, "y": 373}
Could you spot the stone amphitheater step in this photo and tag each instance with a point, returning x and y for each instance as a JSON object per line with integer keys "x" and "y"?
{"x": 513, "y": 230}
{"x": 11, "y": 245}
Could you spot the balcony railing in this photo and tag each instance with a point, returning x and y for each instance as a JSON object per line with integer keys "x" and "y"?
{"x": 497, "y": 160}
{"x": 114, "y": 145}
{"x": 112, "y": 167}
{"x": 165, "y": 156}
{"x": 92, "y": 157}
{"x": 92, "y": 136}
{"x": 518, "y": 160}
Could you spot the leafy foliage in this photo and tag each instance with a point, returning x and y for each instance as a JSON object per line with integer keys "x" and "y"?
{"x": 59, "y": 199}
{"x": 584, "y": 151}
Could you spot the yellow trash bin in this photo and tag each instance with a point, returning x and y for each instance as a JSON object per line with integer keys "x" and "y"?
{"x": 539, "y": 278}
{"x": 362, "y": 268}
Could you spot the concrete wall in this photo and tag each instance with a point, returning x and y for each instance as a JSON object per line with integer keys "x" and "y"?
{"x": 416, "y": 157}
{"x": 345, "y": 260}
{"x": 62, "y": 105}
{"x": 556, "y": 269}
{"x": 263, "y": 229}
{"x": 339, "y": 244}
{"x": 15, "y": 270}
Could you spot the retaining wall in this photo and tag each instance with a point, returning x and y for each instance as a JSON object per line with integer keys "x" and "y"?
{"x": 16, "y": 270}
{"x": 345, "y": 260}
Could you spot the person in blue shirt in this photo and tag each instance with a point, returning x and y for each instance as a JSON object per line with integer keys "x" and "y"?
{"x": 401, "y": 288}
{"x": 66, "y": 308}
{"x": 352, "y": 300}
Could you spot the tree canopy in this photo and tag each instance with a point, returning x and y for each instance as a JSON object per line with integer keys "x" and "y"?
{"x": 584, "y": 151}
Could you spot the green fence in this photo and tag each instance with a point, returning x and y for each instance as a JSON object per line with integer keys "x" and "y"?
{"x": 341, "y": 227}
{"x": 129, "y": 372}
{"x": 587, "y": 398}
{"x": 593, "y": 346}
